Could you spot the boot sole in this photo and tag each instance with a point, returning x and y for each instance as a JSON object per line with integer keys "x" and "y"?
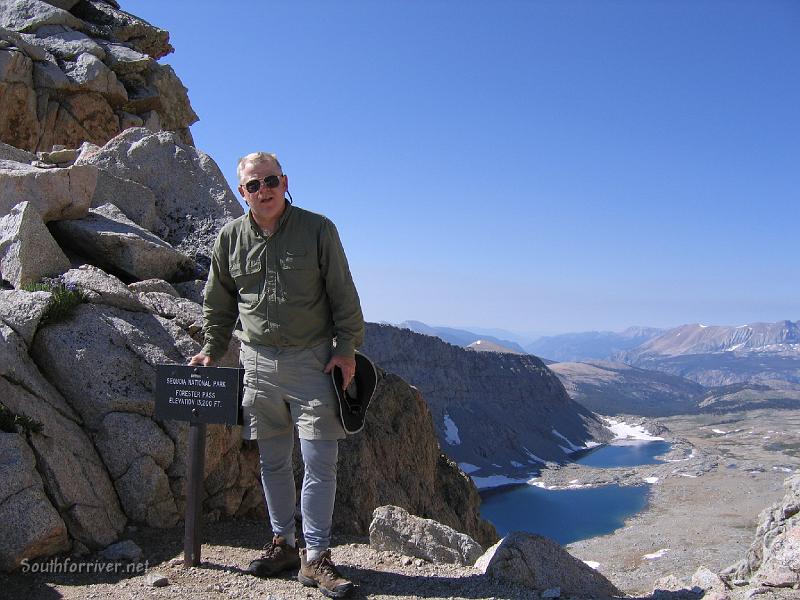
{"x": 308, "y": 582}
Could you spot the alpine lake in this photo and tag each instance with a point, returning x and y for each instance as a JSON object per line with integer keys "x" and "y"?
{"x": 572, "y": 514}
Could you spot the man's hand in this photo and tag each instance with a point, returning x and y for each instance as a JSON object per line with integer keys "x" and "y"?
{"x": 201, "y": 359}
{"x": 347, "y": 365}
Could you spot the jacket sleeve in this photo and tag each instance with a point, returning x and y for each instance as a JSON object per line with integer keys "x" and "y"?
{"x": 348, "y": 321}
{"x": 220, "y": 303}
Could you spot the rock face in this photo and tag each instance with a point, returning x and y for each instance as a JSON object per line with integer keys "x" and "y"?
{"x": 191, "y": 197}
{"x": 84, "y": 71}
{"x": 27, "y": 250}
{"x": 143, "y": 206}
{"x": 537, "y": 562}
{"x": 496, "y": 412}
{"x": 31, "y": 526}
{"x": 393, "y": 529}
{"x": 56, "y": 193}
{"x": 121, "y": 246}
{"x": 774, "y": 556}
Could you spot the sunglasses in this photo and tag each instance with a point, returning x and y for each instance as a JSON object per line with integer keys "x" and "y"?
{"x": 271, "y": 181}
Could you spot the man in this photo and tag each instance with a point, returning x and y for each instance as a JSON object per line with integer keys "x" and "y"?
{"x": 281, "y": 271}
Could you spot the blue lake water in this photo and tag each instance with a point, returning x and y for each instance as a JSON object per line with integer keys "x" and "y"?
{"x": 570, "y": 515}
{"x": 628, "y": 454}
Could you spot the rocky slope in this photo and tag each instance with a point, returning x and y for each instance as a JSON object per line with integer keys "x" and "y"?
{"x": 489, "y": 346}
{"x": 611, "y": 388}
{"x": 494, "y": 413}
{"x": 74, "y": 71}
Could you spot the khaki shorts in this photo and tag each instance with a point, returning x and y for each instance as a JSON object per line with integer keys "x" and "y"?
{"x": 285, "y": 387}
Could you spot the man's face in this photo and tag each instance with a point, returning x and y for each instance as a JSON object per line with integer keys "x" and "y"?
{"x": 267, "y": 204}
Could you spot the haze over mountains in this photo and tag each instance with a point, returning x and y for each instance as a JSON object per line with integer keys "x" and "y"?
{"x": 461, "y": 337}
{"x": 591, "y": 345}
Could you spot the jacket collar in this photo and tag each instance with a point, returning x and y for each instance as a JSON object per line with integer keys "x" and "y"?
{"x": 258, "y": 231}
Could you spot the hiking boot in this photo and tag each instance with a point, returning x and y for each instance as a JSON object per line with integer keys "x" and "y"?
{"x": 277, "y": 556}
{"x": 322, "y": 573}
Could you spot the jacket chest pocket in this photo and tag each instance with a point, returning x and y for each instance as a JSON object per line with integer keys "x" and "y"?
{"x": 299, "y": 273}
{"x": 249, "y": 278}
{"x": 298, "y": 260}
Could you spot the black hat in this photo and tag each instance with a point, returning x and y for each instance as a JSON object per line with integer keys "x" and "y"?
{"x": 354, "y": 401}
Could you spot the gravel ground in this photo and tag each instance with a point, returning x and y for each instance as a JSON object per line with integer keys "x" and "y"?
{"x": 228, "y": 548}
{"x": 702, "y": 511}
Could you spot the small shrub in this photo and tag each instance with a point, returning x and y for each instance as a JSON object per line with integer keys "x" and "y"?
{"x": 11, "y": 422}
{"x": 63, "y": 300}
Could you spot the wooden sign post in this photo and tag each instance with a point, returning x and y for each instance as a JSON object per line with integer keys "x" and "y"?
{"x": 199, "y": 395}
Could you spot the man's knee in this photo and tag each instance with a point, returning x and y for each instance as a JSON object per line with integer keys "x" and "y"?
{"x": 320, "y": 457}
{"x": 276, "y": 452}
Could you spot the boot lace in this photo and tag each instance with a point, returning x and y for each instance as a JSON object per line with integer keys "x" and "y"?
{"x": 273, "y": 549}
{"x": 325, "y": 566}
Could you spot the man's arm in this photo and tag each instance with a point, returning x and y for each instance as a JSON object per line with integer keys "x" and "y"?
{"x": 220, "y": 308}
{"x": 348, "y": 321}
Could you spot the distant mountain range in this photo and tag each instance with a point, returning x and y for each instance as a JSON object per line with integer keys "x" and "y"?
{"x": 652, "y": 372}
{"x": 719, "y": 355}
{"x": 782, "y": 337}
{"x": 695, "y": 368}
{"x": 462, "y": 337}
{"x": 591, "y": 345}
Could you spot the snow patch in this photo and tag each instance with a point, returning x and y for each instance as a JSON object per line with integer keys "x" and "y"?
{"x": 573, "y": 447}
{"x": 451, "y": 431}
{"x": 591, "y": 563}
{"x": 533, "y": 456}
{"x": 542, "y": 484}
{"x": 655, "y": 555}
{"x": 719, "y": 431}
{"x": 491, "y": 481}
{"x": 623, "y": 431}
{"x": 651, "y": 479}
{"x": 468, "y": 467}
{"x": 516, "y": 464}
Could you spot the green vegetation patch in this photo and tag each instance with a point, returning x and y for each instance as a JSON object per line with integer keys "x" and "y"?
{"x": 789, "y": 447}
{"x": 63, "y": 300}
{"x": 12, "y": 423}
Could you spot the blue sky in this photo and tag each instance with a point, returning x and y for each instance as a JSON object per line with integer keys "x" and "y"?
{"x": 542, "y": 167}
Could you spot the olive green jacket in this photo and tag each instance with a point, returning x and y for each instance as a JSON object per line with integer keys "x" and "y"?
{"x": 290, "y": 288}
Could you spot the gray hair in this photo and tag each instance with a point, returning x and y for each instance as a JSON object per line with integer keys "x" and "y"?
{"x": 255, "y": 158}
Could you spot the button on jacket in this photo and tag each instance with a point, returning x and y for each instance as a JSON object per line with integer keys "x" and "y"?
{"x": 290, "y": 288}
